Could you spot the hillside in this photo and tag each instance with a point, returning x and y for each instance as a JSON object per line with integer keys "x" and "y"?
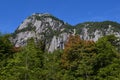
{"x": 95, "y": 30}
{"x": 55, "y": 32}
{"x": 45, "y": 27}
{"x": 46, "y": 48}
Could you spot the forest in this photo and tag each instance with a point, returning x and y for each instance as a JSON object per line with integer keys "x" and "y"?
{"x": 80, "y": 60}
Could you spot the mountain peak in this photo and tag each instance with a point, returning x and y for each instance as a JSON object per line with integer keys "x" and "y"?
{"x": 54, "y": 32}
{"x": 43, "y": 27}
{"x": 38, "y": 18}
{"x": 42, "y": 14}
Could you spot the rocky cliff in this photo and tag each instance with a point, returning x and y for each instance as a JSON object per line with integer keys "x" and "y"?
{"x": 55, "y": 32}
{"x": 45, "y": 27}
{"x": 95, "y": 30}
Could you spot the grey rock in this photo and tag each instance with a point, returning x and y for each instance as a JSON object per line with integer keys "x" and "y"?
{"x": 55, "y": 32}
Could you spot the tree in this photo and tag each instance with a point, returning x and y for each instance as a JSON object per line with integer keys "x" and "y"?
{"x": 26, "y": 64}
{"x": 110, "y": 72}
{"x": 5, "y": 45}
{"x": 106, "y": 60}
{"x": 77, "y": 57}
{"x": 71, "y": 51}
{"x": 115, "y": 41}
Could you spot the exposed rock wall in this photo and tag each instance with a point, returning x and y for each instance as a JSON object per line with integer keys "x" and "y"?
{"x": 55, "y": 32}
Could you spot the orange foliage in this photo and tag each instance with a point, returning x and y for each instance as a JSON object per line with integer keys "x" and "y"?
{"x": 74, "y": 48}
{"x": 16, "y": 49}
{"x": 89, "y": 46}
{"x": 72, "y": 43}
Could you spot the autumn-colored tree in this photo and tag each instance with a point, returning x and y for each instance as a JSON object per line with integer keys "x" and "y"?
{"x": 16, "y": 49}
{"x": 74, "y": 49}
{"x": 77, "y": 57}
{"x": 89, "y": 46}
{"x": 71, "y": 50}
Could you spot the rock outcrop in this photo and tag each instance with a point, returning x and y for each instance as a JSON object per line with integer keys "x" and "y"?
{"x": 55, "y": 32}
{"x": 42, "y": 27}
{"x": 95, "y": 30}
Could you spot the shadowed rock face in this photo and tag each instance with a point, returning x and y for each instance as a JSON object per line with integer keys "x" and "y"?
{"x": 55, "y": 32}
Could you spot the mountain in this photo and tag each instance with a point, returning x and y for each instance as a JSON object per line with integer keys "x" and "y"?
{"x": 95, "y": 30}
{"x": 55, "y": 32}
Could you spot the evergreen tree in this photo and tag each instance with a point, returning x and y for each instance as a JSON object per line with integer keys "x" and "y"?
{"x": 25, "y": 65}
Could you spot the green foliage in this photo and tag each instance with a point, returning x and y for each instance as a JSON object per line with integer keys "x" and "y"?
{"x": 47, "y": 16}
{"x": 29, "y": 27}
{"x": 80, "y": 60}
{"x": 111, "y": 72}
{"x": 114, "y": 41}
{"x": 106, "y": 59}
{"x": 92, "y": 26}
{"x": 24, "y": 64}
{"x": 6, "y": 47}
{"x": 68, "y": 28}
{"x": 52, "y": 66}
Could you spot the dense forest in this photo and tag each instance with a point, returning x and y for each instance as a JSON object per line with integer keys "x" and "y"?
{"x": 80, "y": 60}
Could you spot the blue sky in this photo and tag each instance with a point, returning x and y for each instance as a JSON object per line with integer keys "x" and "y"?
{"x": 13, "y": 12}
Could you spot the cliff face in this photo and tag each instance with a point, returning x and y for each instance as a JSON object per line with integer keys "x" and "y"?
{"x": 95, "y": 30}
{"x": 55, "y": 32}
{"x": 51, "y": 30}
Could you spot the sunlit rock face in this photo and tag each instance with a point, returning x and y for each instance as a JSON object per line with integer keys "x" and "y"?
{"x": 95, "y": 30}
{"x": 55, "y": 33}
{"x": 42, "y": 27}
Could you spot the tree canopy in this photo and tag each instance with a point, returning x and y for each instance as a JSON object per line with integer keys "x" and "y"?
{"x": 80, "y": 60}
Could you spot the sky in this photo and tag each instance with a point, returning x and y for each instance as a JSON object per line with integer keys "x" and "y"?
{"x": 13, "y": 12}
